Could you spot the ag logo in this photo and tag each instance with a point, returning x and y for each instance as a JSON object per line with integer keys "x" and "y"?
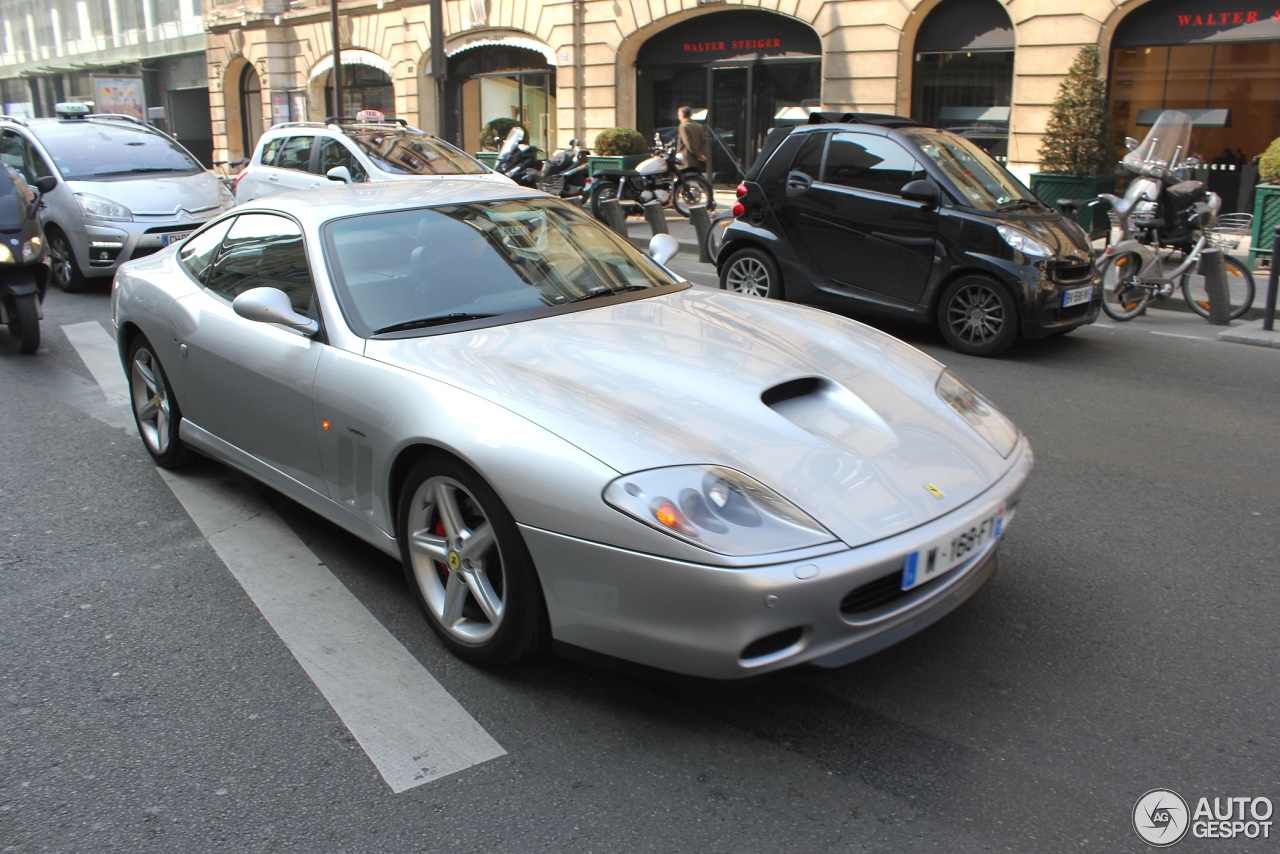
{"x": 1161, "y": 818}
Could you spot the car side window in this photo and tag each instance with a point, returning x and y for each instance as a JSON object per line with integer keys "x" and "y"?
{"x": 334, "y": 153}
{"x": 809, "y": 157}
{"x": 866, "y": 162}
{"x": 19, "y": 154}
{"x": 270, "y": 150}
{"x": 197, "y": 253}
{"x": 263, "y": 251}
{"x": 296, "y": 153}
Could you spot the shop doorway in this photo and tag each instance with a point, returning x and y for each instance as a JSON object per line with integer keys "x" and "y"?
{"x": 250, "y": 109}
{"x": 742, "y": 72}
{"x": 363, "y": 88}
{"x": 487, "y": 83}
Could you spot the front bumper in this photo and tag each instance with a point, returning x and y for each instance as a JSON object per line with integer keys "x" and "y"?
{"x": 100, "y": 249}
{"x": 1044, "y": 314}
{"x": 722, "y": 623}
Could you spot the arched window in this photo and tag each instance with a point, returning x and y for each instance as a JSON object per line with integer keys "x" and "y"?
{"x": 962, "y": 78}
{"x": 250, "y": 109}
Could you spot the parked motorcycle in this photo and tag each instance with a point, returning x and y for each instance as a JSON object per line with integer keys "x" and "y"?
{"x": 565, "y": 173}
{"x": 663, "y": 177}
{"x": 518, "y": 160}
{"x": 24, "y": 275}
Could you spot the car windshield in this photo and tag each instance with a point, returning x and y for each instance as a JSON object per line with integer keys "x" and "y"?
{"x": 90, "y": 150}
{"x": 985, "y": 184}
{"x": 402, "y": 152}
{"x": 404, "y": 270}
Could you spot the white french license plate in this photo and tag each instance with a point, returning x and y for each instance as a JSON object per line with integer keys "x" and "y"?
{"x": 950, "y": 551}
{"x": 1075, "y": 296}
{"x": 175, "y": 237}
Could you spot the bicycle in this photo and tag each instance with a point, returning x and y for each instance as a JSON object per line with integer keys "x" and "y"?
{"x": 1132, "y": 270}
{"x": 222, "y": 171}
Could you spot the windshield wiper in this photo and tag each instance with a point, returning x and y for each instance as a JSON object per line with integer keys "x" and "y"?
{"x": 608, "y": 292}
{"x": 1020, "y": 204}
{"x": 139, "y": 171}
{"x": 437, "y": 320}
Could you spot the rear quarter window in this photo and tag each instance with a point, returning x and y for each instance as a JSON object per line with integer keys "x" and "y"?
{"x": 269, "y": 152}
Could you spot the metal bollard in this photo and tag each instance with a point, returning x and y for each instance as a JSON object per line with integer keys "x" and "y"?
{"x": 613, "y": 216}
{"x": 1214, "y": 270}
{"x": 1269, "y": 317}
{"x": 701, "y": 225}
{"x": 656, "y": 217}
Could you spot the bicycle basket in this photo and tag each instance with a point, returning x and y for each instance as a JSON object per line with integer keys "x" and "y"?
{"x": 553, "y": 185}
{"x": 1230, "y": 228}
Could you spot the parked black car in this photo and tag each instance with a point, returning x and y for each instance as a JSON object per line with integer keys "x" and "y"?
{"x": 874, "y": 213}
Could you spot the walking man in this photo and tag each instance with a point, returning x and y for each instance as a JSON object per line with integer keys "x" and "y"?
{"x": 691, "y": 141}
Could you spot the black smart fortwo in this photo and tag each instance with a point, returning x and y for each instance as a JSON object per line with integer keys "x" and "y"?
{"x": 870, "y": 213}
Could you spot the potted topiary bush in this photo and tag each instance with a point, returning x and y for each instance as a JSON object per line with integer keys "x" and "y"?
{"x": 1266, "y": 204}
{"x": 618, "y": 148}
{"x": 1077, "y": 157}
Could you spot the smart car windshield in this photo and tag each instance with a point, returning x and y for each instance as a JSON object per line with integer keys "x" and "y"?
{"x": 406, "y": 153}
{"x": 398, "y": 271}
{"x": 89, "y": 150}
{"x": 985, "y": 184}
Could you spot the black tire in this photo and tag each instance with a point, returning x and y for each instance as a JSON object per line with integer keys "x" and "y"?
{"x": 155, "y": 409}
{"x": 1123, "y": 294}
{"x": 978, "y": 317}
{"x": 602, "y": 189}
{"x": 468, "y": 566}
{"x": 24, "y": 323}
{"x": 1240, "y": 289}
{"x": 63, "y": 268}
{"x": 692, "y": 190}
{"x": 753, "y": 272}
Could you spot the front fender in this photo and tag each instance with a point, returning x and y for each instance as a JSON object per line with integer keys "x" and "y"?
{"x": 20, "y": 281}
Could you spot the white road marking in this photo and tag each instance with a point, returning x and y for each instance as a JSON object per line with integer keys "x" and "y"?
{"x": 410, "y": 727}
{"x": 1176, "y": 335}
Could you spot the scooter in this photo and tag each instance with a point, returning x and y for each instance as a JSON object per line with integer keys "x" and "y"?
{"x": 565, "y": 173}
{"x": 518, "y": 160}
{"x": 24, "y": 276}
{"x": 662, "y": 177}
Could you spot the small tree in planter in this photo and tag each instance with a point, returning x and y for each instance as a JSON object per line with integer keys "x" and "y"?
{"x": 1077, "y": 159}
{"x": 618, "y": 148}
{"x": 1266, "y": 203}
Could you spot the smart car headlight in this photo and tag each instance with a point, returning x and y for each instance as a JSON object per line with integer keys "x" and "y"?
{"x": 978, "y": 411}
{"x": 1023, "y": 242}
{"x": 97, "y": 207}
{"x": 715, "y": 508}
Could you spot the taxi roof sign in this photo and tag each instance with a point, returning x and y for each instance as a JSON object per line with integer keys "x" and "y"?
{"x": 370, "y": 116}
{"x": 71, "y": 109}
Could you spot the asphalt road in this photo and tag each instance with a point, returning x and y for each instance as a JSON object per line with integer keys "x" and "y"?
{"x": 1127, "y": 643}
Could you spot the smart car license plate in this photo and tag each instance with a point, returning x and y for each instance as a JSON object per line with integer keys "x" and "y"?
{"x": 948, "y": 552}
{"x": 1075, "y": 296}
{"x": 176, "y": 237}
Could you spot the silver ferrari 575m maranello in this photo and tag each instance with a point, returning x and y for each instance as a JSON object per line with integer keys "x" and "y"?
{"x": 562, "y": 440}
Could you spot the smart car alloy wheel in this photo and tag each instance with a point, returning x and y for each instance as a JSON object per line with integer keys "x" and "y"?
{"x": 978, "y": 316}
{"x": 752, "y": 272}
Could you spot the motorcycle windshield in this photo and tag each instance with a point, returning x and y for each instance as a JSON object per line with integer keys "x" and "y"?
{"x": 509, "y": 145}
{"x": 1164, "y": 148}
{"x": 15, "y": 206}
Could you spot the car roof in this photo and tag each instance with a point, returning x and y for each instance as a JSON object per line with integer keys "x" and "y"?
{"x": 326, "y": 203}
{"x": 879, "y": 119}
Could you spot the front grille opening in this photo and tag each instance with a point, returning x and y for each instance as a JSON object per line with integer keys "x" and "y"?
{"x": 770, "y": 644}
{"x": 884, "y": 591}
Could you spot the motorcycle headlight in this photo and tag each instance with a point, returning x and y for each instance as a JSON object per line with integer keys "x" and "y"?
{"x": 978, "y": 411}
{"x": 31, "y": 249}
{"x": 6, "y": 254}
{"x": 1023, "y": 242}
{"x": 715, "y": 508}
{"x": 97, "y": 207}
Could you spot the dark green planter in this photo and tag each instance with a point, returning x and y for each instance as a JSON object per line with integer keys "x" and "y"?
{"x": 1266, "y": 216}
{"x": 596, "y": 162}
{"x": 1049, "y": 187}
{"x": 488, "y": 158}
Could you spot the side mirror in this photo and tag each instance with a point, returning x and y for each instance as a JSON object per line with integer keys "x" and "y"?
{"x": 341, "y": 174}
{"x": 271, "y": 305}
{"x": 45, "y": 184}
{"x": 1130, "y": 143}
{"x": 920, "y": 191}
{"x": 663, "y": 247}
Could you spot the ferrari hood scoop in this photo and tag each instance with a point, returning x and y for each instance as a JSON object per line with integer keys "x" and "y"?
{"x": 834, "y": 414}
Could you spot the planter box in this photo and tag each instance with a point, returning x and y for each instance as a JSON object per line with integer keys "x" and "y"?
{"x": 1266, "y": 216}
{"x": 488, "y": 158}
{"x": 1049, "y": 187}
{"x": 596, "y": 162}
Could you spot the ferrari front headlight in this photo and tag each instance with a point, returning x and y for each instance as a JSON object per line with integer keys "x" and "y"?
{"x": 717, "y": 509}
{"x": 999, "y": 431}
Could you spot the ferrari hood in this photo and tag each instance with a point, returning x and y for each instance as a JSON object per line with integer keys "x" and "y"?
{"x": 842, "y": 420}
